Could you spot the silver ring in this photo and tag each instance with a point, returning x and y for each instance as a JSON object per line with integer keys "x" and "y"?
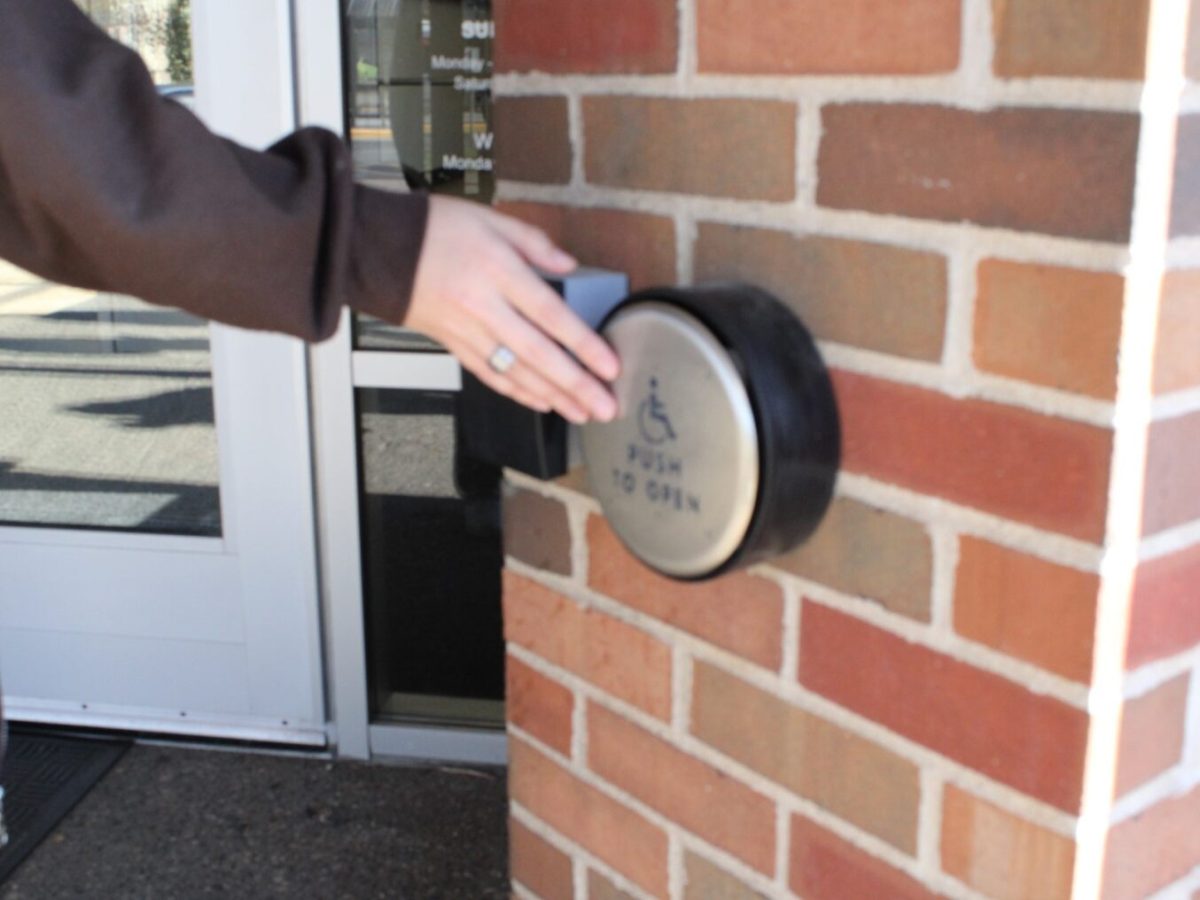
{"x": 501, "y": 360}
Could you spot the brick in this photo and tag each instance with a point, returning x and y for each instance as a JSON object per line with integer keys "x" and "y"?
{"x": 739, "y": 612}
{"x": 1176, "y": 362}
{"x": 1172, "y": 493}
{"x": 539, "y": 705}
{"x": 600, "y": 888}
{"x": 1047, "y": 472}
{"x": 1185, "y": 196}
{"x": 1001, "y": 855}
{"x": 1028, "y": 741}
{"x": 537, "y": 865}
{"x": 1055, "y": 171}
{"x": 558, "y": 36}
{"x": 825, "y": 867}
{"x": 1066, "y": 39}
{"x": 641, "y": 245}
{"x": 867, "y": 552}
{"x": 606, "y": 828}
{"x": 706, "y": 801}
{"x": 532, "y": 139}
{"x": 1026, "y": 607}
{"x": 851, "y": 777}
{"x": 536, "y": 531}
{"x": 1154, "y": 849}
{"x": 881, "y": 298}
{"x": 738, "y": 148}
{"x": 615, "y": 657}
{"x": 1165, "y": 616}
{"x": 706, "y": 881}
{"x": 1152, "y": 734}
{"x": 1050, "y": 326}
{"x": 814, "y": 37}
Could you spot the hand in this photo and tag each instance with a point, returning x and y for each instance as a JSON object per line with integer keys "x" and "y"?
{"x": 475, "y": 291}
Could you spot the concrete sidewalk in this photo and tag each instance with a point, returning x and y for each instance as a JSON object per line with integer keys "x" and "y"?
{"x": 170, "y": 822}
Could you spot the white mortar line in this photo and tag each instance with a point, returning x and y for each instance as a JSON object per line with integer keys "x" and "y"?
{"x": 576, "y": 136}
{"x": 1183, "y": 253}
{"x": 962, "y": 90}
{"x": 1176, "y": 404}
{"x": 808, "y": 149}
{"x": 1173, "y": 540}
{"x": 579, "y": 731}
{"x": 579, "y": 878}
{"x": 688, "y": 51}
{"x": 681, "y": 690}
{"x": 676, "y": 876}
{"x": 947, "y": 770}
{"x": 789, "y": 669}
{"x": 1045, "y": 545}
{"x": 577, "y": 852}
{"x": 977, "y": 49}
{"x": 929, "y": 823}
{"x": 1155, "y": 674}
{"x": 959, "y": 339}
{"x": 1175, "y": 782}
{"x": 521, "y": 892}
{"x": 918, "y": 234}
{"x": 1184, "y": 889}
{"x": 1159, "y": 106}
{"x": 783, "y": 844}
{"x": 686, "y": 232}
{"x": 945, "y": 566}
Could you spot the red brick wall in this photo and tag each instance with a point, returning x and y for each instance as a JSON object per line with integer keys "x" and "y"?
{"x": 920, "y": 701}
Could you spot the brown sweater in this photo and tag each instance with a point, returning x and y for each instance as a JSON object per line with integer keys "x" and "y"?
{"x": 105, "y": 185}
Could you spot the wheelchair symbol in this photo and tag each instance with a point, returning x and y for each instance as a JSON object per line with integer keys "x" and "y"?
{"x": 653, "y": 421}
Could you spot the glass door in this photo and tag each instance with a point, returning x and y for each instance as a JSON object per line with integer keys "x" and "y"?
{"x": 157, "y": 558}
{"x": 412, "y": 551}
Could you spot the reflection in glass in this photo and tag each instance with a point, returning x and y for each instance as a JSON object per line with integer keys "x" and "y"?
{"x": 432, "y": 558}
{"x": 107, "y": 410}
{"x": 419, "y": 109}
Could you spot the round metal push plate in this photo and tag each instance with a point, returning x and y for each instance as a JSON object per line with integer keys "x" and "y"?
{"x": 677, "y": 473}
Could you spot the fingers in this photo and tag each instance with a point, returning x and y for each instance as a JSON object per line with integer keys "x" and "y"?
{"x": 533, "y": 244}
{"x": 523, "y": 378}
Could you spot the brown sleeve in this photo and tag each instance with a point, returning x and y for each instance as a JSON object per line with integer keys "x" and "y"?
{"x": 105, "y": 185}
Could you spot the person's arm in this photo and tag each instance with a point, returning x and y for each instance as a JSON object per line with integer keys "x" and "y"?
{"x": 105, "y": 185}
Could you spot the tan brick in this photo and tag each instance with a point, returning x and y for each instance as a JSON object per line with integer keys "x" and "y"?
{"x": 873, "y": 296}
{"x": 1153, "y": 849}
{"x": 615, "y": 657}
{"x": 815, "y": 37}
{"x": 705, "y": 880}
{"x": 540, "y": 705}
{"x": 1152, "y": 733}
{"x": 706, "y": 801}
{"x": 536, "y": 531}
{"x": 822, "y": 866}
{"x": 532, "y": 139}
{"x": 1063, "y": 38}
{"x": 1055, "y": 171}
{"x": 1001, "y": 855}
{"x": 600, "y": 888}
{"x": 537, "y": 865}
{"x": 692, "y": 146}
{"x": 1029, "y": 741}
{"x": 868, "y": 552}
{"x": 606, "y": 828}
{"x": 739, "y": 612}
{"x": 1172, "y": 492}
{"x": 1040, "y": 470}
{"x": 1176, "y": 362}
{"x": 1026, "y": 607}
{"x": 1050, "y": 326}
{"x": 850, "y": 776}
{"x": 640, "y": 245}
{"x": 618, "y": 36}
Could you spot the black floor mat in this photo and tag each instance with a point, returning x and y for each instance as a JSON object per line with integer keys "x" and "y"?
{"x": 44, "y": 776}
